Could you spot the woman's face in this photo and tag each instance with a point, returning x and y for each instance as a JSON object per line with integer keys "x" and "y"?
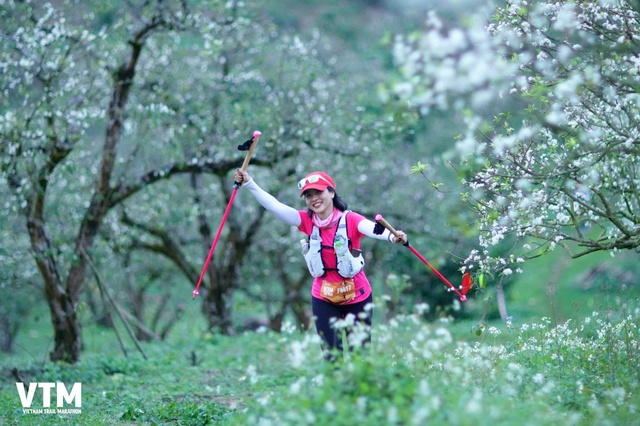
{"x": 320, "y": 202}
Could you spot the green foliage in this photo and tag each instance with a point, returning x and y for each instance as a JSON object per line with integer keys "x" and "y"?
{"x": 418, "y": 168}
{"x": 182, "y": 412}
{"x": 540, "y": 374}
{"x": 531, "y": 371}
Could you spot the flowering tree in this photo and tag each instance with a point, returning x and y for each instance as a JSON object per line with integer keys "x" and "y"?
{"x": 120, "y": 129}
{"x": 559, "y": 164}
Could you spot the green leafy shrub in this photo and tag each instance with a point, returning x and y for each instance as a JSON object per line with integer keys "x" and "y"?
{"x": 416, "y": 373}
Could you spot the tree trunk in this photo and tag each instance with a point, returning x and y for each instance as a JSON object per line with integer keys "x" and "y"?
{"x": 293, "y": 295}
{"x": 67, "y": 331}
{"x": 62, "y": 301}
{"x": 222, "y": 275}
{"x": 502, "y": 302}
{"x": 66, "y": 328}
{"x": 8, "y": 333}
{"x": 217, "y": 305}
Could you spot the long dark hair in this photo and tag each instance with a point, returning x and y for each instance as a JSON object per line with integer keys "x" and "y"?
{"x": 338, "y": 202}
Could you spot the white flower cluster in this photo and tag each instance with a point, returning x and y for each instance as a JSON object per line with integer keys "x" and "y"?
{"x": 590, "y": 364}
{"x": 572, "y": 164}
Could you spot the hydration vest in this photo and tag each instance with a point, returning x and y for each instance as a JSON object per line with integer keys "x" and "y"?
{"x": 348, "y": 265}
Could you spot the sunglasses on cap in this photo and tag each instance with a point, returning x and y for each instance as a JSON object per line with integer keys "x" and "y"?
{"x": 311, "y": 179}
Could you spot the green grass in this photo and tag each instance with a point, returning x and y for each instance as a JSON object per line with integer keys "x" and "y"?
{"x": 190, "y": 380}
{"x": 537, "y": 369}
{"x": 553, "y": 286}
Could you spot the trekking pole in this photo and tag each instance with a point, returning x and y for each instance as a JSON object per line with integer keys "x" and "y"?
{"x": 381, "y": 222}
{"x": 248, "y": 146}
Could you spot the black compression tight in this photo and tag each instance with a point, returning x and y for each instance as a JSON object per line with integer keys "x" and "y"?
{"x": 326, "y": 313}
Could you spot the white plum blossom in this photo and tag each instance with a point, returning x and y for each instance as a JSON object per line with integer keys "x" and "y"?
{"x": 569, "y": 163}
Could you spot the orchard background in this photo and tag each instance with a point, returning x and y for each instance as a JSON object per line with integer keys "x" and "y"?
{"x": 503, "y": 138}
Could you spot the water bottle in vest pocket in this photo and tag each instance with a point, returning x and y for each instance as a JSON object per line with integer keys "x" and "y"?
{"x": 313, "y": 256}
{"x": 348, "y": 265}
{"x": 349, "y": 262}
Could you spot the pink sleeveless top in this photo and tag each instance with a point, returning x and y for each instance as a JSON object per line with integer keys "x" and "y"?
{"x": 363, "y": 288}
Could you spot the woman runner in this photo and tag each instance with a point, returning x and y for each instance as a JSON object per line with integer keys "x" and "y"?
{"x": 340, "y": 287}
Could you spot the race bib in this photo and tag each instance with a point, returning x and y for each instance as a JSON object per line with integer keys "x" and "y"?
{"x": 338, "y": 293}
